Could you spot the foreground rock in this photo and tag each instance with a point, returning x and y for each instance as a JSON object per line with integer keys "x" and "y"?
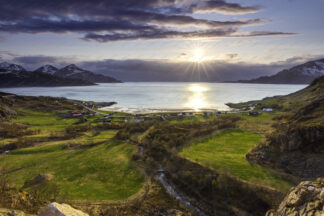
{"x": 56, "y": 209}
{"x": 306, "y": 199}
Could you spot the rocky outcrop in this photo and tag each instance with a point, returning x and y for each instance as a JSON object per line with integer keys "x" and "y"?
{"x": 56, "y": 209}
{"x": 306, "y": 199}
{"x": 41, "y": 178}
{"x": 297, "y": 144}
{"x": 297, "y": 151}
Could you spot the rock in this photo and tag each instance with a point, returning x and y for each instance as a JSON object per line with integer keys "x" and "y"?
{"x": 41, "y": 178}
{"x": 8, "y": 212}
{"x": 56, "y": 209}
{"x": 321, "y": 196}
{"x": 310, "y": 188}
{"x": 11, "y": 112}
{"x": 306, "y": 199}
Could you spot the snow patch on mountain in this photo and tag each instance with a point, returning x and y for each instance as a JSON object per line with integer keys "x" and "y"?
{"x": 4, "y": 65}
{"x": 11, "y": 67}
{"x": 72, "y": 70}
{"x": 316, "y": 70}
{"x": 47, "y": 69}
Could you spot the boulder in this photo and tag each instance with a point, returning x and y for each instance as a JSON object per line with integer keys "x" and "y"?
{"x": 56, "y": 209}
{"x": 41, "y": 178}
{"x": 305, "y": 199}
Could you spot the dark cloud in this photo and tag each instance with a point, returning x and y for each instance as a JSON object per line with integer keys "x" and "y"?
{"x": 159, "y": 34}
{"x": 112, "y": 20}
{"x": 264, "y": 33}
{"x": 165, "y": 34}
{"x": 40, "y": 25}
{"x": 221, "y": 6}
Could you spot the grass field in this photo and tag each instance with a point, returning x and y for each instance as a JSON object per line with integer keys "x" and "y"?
{"x": 103, "y": 172}
{"x": 44, "y": 121}
{"x": 226, "y": 151}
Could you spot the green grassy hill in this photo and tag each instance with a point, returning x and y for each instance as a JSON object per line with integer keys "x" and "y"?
{"x": 86, "y": 161}
{"x": 225, "y": 152}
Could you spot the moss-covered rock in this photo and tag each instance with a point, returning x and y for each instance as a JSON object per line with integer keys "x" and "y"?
{"x": 302, "y": 200}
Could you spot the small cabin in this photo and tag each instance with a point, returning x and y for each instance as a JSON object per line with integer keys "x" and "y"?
{"x": 254, "y": 113}
{"x": 267, "y": 109}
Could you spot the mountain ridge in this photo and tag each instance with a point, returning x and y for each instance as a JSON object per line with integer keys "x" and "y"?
{"x": 13, "y": 75}
{"x": 300, "y": 74}
{"x": 74, "y": 72}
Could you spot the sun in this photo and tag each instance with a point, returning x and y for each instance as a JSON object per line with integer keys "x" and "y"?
{"x": 198, "y": 56}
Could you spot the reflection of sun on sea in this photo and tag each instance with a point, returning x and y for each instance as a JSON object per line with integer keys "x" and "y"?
{"x": 197, "y": 99}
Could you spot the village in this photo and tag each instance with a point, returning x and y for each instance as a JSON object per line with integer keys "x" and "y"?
{"x": 88, "y": 109}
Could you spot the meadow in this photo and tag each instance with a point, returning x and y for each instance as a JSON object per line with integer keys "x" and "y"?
{"x": 225, "y": 152}
{"x": 101, "y": 171}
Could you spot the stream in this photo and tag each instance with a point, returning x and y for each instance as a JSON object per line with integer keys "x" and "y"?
{"x": 171, "y": 191}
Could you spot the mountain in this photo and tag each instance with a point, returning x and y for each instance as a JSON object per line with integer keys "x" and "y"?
{"x": 5, "y": 66}
{"x": 36, "y": 79}
{"x": 12, "y": 75}
{"x": 301, "y": 74}
{"x": 297, "y": 144}
{"x": 72, "y": 71}
{"x": 47, "y": 69}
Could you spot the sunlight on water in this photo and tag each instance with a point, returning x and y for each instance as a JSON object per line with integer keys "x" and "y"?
{"x": 197, "y": 99}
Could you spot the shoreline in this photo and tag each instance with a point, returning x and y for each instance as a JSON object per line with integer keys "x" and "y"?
{"x": 161, "y": 110}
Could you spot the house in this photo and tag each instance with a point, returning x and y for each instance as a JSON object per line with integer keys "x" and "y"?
{"x": 180, "y": 115}
{"x": 206, "y": 114}
{"x": 190, "y": 114}
{"x": 254, "y": 113}
{"x": 267, "y": 109}
{"x": 76, "y": 114}
{"x": 138, "y": 120}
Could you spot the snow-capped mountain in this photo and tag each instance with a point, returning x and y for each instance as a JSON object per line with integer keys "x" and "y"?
{"x": 73, "y": 71}
{"x": 301, "y": 74}
{"x": 11, "y": 67}
{"x": 12, "y": 75}
{"x": 47, "y": 69}
{"x": 69, "y": 70}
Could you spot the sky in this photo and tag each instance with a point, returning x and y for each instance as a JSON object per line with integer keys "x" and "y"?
{"x": 262, "y": 36}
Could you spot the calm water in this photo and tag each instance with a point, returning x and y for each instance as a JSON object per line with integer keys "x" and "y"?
{"x": 165, "y": 96}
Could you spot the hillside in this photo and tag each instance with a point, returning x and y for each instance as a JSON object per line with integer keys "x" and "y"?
{"x": 297, "y": 144}
{"x": 111, "y": 165}
{"x": 301, "y": 74}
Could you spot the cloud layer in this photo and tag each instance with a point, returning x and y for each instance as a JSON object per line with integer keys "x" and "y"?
{"x": 114, "y": 20}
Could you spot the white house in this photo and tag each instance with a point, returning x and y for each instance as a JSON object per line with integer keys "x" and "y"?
{"x": 267, "y": 109}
